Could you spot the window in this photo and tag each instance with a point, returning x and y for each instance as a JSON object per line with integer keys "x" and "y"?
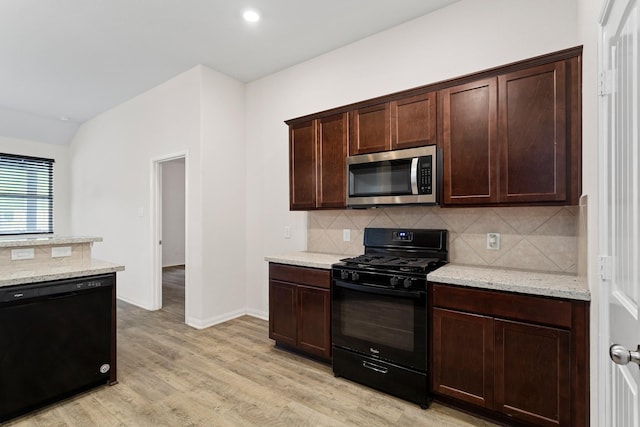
{"x": 26, "y": 195}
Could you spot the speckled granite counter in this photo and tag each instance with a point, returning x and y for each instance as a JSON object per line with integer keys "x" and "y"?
{"x": 524, "y": 282}
{"x": 45, "y": 273}
{"x": 16, "y": 242}
{"x": 307, "y": 259}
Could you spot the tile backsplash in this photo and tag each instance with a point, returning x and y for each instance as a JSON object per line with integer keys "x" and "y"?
{"x": 531, "y": 238}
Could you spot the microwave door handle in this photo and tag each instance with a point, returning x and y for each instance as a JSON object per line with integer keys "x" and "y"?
{"x": 414, "y": 175}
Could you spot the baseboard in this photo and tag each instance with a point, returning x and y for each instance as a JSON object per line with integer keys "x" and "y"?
{"x": 137, "y": 304}
{"x": 263, "y": 315}
{"x": 205, "y": 323}
{"x": 212, "y": 321}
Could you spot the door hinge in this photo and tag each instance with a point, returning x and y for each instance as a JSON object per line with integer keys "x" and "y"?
{"x": 606, "y": 82}
{"x": 605, "y": 267}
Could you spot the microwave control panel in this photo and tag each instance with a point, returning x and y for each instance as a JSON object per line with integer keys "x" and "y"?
{"x": 425, "y": 175}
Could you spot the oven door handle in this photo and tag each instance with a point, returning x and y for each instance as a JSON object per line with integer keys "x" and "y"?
{"x": 379, "y": 291}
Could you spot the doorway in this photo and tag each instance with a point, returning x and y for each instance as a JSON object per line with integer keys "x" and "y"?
{"x": 169, "y": 240}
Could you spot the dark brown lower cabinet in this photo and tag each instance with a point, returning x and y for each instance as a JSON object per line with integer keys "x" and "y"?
{"x": 300, "y": 309}
{"x": 521, "y": 359}
{"x": 532, "y": 373}
{"x": 463, "y": 356}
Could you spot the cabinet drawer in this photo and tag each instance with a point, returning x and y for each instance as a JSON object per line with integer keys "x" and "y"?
{"x": 301, "y": 275}
{"x": 506, "y": 305}
{"x": 410, "y": 385}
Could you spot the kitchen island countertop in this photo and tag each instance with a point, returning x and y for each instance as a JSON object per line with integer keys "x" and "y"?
{"x": 45, "y": 273}
{"x": 45, "y": 240}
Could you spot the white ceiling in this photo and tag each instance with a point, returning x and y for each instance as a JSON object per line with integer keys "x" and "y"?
{"x": 78, "y": 58}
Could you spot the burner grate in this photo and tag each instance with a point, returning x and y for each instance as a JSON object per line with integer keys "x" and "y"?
{"x": 392, "y": 262}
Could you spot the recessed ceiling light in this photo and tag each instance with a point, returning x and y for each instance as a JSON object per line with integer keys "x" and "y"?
{"x": 64, "y": 118}
{"x": 251, "y": 16}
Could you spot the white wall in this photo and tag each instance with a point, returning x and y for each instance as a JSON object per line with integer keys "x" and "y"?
{"x": 223, "y": 201}
{"x": 463, "y": 38}
{"x": 588, "y": 17}
{"x": 200, "y": 113}
{"x": 61, "y": 174}
{"x": 112, "y": 175}
{"x": 173, "y": 210}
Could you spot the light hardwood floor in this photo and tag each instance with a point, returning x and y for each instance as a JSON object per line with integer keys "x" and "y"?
{"x": 227, "y": 375}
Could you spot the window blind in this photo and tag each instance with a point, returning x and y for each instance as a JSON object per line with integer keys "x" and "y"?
{"x": 26, "y": 195}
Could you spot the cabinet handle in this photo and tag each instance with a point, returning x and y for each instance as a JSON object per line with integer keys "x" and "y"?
{"x": 374, "y": 367}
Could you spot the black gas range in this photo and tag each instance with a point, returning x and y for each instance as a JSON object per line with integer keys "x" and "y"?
{"x": 379, "y": 310}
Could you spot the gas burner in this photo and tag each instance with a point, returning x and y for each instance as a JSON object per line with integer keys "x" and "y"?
{"x": 392, "y": 262}
{"x": 368, "y": 259}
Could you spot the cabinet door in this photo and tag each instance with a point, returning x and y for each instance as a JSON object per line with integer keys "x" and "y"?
{"x": 283, "y": 312}
{"x": 533, "y": 134}
{"x": 533, "y": 373}
{"x": 302, "y": 166}
{"x": 413, "y": 121}
{"x": 462, "y": 351}
{"x": 332, "y": 154}
{"x": 470, "y": 144}
{"x": 370, "y": 129}
{"x": 314, "y": 333}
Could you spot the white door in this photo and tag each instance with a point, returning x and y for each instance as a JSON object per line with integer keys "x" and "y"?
{"x": 619, "y": 207}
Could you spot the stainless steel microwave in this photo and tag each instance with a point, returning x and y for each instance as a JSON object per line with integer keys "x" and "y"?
{"x": 393, "y": 177}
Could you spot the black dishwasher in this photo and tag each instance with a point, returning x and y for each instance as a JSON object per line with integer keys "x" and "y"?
{"x": 55, "y": 341}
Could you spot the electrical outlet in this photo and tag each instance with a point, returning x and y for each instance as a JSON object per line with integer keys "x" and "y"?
{"x": 287, "y": 232}
{"x": 60, "y": 251}
{"x": 346, "y": 235}
{"x": 493, "y": 241}
{"x": 17, "y": 254}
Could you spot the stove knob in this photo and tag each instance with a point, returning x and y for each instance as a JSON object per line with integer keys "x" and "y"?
{"x": 355, "y": 275}
{"x": 407, "y": 283}
{"x": 344, "y": 274}
{"x": 394, "y": 281}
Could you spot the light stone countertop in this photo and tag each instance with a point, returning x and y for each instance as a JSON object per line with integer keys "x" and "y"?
{"x": 519, "y": 281}
{"x": 33, "y": 240}
{"x": 524, "y": 282}
{"x": 307, "y": 259}
{"x": 45, "y": 273}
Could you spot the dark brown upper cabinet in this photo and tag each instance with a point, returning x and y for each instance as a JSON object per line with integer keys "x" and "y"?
{"x": 413, "y": 121}
{"x": 318, "y": 152}
{"x": 333, "y": 139}
{"x": 513, "y": 138}
{"x": 402, "y": 123}
{"x": 510, "y": 136}
{"x": 370, "y": 129}
{"x": 302, "y": 165}
{"x": 470, "y": 143}
{"x": 532, "y": 117}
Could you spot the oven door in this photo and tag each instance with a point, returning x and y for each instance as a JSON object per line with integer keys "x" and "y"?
{"x": 383, "y": 323}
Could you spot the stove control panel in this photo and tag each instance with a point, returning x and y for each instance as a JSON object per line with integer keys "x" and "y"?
{"x": 404, "y": 236}
{"x": 406, "y": 282}
{"x": 393, "y": 280}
